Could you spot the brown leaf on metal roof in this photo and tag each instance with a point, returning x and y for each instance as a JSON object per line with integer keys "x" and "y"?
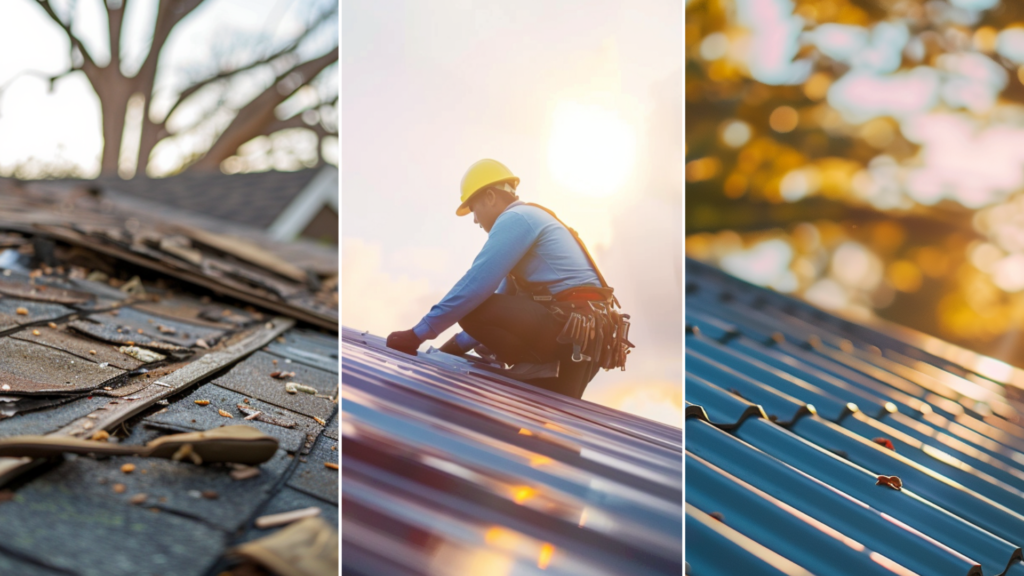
{"x": 893, "y": 482}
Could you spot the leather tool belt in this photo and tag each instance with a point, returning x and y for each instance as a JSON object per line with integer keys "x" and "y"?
{"x": 595, "y": 328}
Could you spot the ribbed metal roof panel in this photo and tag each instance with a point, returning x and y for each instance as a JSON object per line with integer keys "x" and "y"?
{"x": 778, "y": 404}
{"x": 905, "y": 505}
{"x": 946, "y": 429}
{"x": 774, "y": 523}
{"x": 832, "y": 404}
{"x": 850, "y": 516}
{"x": 449, "y": 468}
{"x": 711, "y": 543}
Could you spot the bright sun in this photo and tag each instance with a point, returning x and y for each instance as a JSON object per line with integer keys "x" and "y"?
{"x": 591, "y": 149}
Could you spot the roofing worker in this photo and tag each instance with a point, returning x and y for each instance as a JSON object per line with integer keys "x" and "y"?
{"x": 533, "y": 298}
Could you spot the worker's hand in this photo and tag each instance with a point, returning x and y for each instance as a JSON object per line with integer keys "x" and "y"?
{"x": 404, "y": 341}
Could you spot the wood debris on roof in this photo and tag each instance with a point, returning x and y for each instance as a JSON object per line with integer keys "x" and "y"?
{"x": 72, "y": 219}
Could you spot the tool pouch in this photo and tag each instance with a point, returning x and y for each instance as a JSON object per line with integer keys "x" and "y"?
{"x": 596, "y": 330}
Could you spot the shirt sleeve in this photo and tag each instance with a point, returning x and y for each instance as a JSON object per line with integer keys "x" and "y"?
{"x": 509, "y": 240}
{"x": 465, "y": 341}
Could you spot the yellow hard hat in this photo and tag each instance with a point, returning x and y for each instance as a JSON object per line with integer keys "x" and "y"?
{"x": 480, "y": 175}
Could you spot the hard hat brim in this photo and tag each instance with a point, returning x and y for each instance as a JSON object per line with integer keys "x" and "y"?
{"x": 463, "y": 208}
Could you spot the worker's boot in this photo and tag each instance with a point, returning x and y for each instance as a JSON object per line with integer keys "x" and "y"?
{"x": 530, "y": 371}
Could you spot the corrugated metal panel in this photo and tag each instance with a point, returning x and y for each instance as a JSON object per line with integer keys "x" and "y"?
{"x": 805, "y": 485}
{"x": 451, "y": 469}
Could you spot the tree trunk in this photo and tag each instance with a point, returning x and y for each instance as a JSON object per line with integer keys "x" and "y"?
{"x": 152, "y": 133}
{"x": 113, "y": 90}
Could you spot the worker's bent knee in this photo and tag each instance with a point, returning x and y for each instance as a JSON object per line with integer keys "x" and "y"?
{"x": 481, "y": 315}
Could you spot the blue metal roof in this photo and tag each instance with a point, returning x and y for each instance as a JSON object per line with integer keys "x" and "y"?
{"x": 449, "y": 468}
{"x": 792, "y": 417}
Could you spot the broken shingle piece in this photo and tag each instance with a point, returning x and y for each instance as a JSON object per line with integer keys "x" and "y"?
{"x": 115, "y": 335}
{"x": 80, "y": 346}
{"x": 142, "y": 327}
{"x": 185, "y": 414}
{"x": 30, "y": 312}
{"x": 30, "y": 368}
{"x": 43, "y": 293}
{"x": 251, "y": 377}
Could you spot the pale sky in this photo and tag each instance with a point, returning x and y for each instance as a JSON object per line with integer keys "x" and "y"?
{"x": 65, "y": 124}
{"x": 581, "y": 99}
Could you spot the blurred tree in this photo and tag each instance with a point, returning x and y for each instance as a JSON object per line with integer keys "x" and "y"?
{"x": 119, "y": 91}
{"x": 863, "y": 154}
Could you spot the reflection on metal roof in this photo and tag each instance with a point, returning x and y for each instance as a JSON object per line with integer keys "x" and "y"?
{"x": 449, "y": 469}
{"x": 799, "y": 423}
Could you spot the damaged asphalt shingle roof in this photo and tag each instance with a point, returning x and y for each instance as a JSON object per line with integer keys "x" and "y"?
{"x": 70, "y": 368}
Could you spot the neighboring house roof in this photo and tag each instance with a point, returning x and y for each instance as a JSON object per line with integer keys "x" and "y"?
{"x": 255, "y": 199}
{"x": 797, "y": 421}
{"x": 82, "y": 357}
{"x": 450, "y": 469}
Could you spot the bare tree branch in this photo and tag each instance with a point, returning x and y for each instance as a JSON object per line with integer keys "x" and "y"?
{"x": 51, "y": 78}
{"x": 186, "y": 93}
{"x": 293, "y": 122}
{"x": 223, "y": 75}
{"x": 258, "y": 114}
{"x": 168, "y": 15}
{"x": 75, "y": 42}
{"x": 297, "y": 121}
{"x": 115, "y": 22}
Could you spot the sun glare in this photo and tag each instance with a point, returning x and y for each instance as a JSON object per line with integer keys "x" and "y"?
{"x": 591, "y": 149}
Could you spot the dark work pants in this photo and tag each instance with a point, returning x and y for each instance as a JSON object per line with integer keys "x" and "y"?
{"x": 518, "y": 329}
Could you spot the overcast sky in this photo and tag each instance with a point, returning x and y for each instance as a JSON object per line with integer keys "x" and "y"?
{"x": 581, "y": 99}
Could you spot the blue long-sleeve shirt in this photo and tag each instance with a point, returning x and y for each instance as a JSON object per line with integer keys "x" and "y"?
{"x": 529, "y": 243}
